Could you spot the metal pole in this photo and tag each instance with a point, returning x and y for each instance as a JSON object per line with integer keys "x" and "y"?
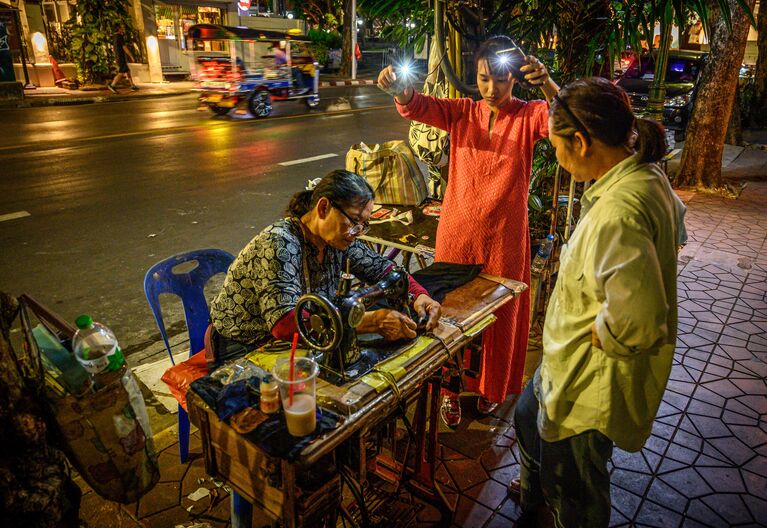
{"x": 453, "y": 56}
{"x": 22, "y": 44}
{"x": 446, "y": 65}
{"x": 657, "y": 95}
{"x": 555, "y": 201}
{"x": 288, "y": 53}
{"x": 458, "y": 59}
{"x": 354, "y": 39}
{"x": 570, "y": 199}
{"x": 233, "y": 57}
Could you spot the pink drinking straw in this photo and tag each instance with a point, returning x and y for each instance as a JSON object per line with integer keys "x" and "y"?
{"x": 292, "y": 357}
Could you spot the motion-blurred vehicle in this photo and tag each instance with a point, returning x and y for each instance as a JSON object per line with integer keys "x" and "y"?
{"x": 251, "y": 68}
{"x": 682, "y": 76}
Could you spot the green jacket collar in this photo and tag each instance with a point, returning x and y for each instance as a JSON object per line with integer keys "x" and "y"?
{"x": 607, "y": 181}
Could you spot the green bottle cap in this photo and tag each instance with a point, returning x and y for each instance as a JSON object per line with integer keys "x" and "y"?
{"x": 84, "y": 321}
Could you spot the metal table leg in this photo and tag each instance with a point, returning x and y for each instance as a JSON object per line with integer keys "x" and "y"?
{"x": 421, "y": 477}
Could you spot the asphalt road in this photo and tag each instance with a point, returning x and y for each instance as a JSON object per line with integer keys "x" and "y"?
{"x": 112, "y": 188}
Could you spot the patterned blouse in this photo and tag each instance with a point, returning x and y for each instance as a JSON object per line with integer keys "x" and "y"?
{"x": 266, "y": 280}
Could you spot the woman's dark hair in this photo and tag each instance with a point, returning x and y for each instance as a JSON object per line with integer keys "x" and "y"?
{"x": 341, "y": 187}
{"x": 598, "y": 109}
{"x": 488, "y": 51}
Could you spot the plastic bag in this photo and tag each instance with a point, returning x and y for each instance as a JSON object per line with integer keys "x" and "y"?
{"x": 240, "y": 369}
{"x": 181, "y": 375}
{"x": 391, "y": 170}
{"x": 106, "y": 433}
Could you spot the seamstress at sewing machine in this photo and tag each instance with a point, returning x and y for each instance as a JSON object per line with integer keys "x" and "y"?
{"x": 306, "y": 253}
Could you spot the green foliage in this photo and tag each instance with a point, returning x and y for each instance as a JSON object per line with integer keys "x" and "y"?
{"x": 330, "y": 21}
{"x": 92, "y": 29}
{"x": 324, "y": 14}
{"x": 397, "y": 17}
{"x": 319, "y": 52}
{"x": 60, "y": 43}
{"x": 539, "y": 201}
{"x": 322, "y": 41}
{"x": 331, "y": 39}
{"x": 751, "y": 111}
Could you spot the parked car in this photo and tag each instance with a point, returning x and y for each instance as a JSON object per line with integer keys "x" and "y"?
{"x": 682, "y": 75}
{"x": 747, "y": 71}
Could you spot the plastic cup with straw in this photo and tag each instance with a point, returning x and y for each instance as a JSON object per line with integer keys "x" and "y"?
{"x": 296, "y": 379}
{"x": 292, "y": 369}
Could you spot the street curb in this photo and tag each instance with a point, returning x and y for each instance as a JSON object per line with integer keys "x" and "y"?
{"x": 40, "y": 100}
{"x": 359, "y": 82}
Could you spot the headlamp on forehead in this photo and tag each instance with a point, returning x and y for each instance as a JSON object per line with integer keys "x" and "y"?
{"x": 503, "y": 58}
{"x": 510, "y": 60}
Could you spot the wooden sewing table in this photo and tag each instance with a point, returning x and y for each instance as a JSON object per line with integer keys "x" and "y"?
{"x": 307, "y": 492}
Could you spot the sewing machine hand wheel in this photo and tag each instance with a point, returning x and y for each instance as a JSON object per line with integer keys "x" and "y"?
{"x": 319, "y": 322}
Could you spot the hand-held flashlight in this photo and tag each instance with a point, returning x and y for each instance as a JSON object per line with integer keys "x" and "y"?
{"x": 404, "y": 75}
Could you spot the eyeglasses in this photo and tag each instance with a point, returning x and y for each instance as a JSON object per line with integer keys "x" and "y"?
{"x": 577, "y": 123}
{"x": 358, "y": 228}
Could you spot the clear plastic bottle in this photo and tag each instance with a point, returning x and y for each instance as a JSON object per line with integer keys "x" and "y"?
{"x": 270, "y": 395}
{"x": 542, "y": 256}
{"x": 95, "y": 347}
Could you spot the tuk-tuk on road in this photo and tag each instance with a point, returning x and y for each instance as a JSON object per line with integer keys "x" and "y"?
{"x": 234, "y": 66}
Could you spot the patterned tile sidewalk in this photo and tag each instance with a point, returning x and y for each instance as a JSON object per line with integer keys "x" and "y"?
{"x": 706, "y": 461}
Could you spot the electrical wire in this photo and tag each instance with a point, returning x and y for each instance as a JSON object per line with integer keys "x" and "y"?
{"x": 447, "y": 68}
{"x": 356, "y": 490}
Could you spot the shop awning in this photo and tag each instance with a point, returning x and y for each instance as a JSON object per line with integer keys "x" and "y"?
{"x": 216, "y": 32}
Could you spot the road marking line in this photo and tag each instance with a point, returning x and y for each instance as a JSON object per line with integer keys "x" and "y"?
{"x": 182, "y": 128}
{"x": 307, "y": 160}
{"x": 14, "y": 216}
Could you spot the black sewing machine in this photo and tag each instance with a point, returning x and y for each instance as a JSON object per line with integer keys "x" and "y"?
{"x": 329, "y": 326}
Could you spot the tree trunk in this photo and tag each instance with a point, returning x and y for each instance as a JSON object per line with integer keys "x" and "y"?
{"x": 35, "y": 488}
{"x": 347, "y": 51}
{"x": 734, "y": 134}
{"x": 701, "y": 164}
{"x": 760, "y": 75}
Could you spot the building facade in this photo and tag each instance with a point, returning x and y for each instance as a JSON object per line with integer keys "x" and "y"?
{"x": 161, "y": 27}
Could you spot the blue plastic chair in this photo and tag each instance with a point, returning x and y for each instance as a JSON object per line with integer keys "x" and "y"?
{"x": 186, "y": 275}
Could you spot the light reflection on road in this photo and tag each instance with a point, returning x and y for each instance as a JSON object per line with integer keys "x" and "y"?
{"x": 178, "y": 114}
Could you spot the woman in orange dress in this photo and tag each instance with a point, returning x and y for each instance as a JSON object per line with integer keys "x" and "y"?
{"x": 484, "y": 211}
